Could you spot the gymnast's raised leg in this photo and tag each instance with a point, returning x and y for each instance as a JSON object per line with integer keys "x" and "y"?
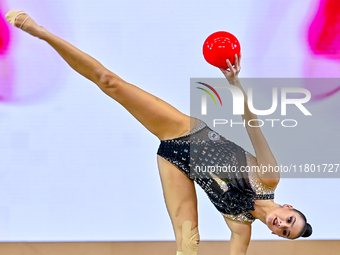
{"x": 157, "y": 116}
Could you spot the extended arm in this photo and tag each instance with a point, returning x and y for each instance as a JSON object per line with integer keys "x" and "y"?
{"x": 240, "y": 237}
{"x": 263, "y": 153}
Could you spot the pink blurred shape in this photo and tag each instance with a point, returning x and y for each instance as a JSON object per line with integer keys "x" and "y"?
{"x": 34, "y": 75}
{"x": 324, "y": 43}
{"x": 322, "y": 88}
{"x": 326, "y": 94}
{"x": 6, "y": 77}
{"x": 4, "y": 34}
{"x": 324, "y": 32}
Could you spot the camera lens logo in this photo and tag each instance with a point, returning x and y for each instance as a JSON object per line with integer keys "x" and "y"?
{"x": 212, "y": 89}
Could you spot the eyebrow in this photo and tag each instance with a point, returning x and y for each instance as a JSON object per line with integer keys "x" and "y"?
{"x": 294, "y": 221}
{"x": 292, "y": 226}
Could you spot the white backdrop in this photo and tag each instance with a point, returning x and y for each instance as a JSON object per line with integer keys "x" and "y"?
{"x": 75, "y": 166}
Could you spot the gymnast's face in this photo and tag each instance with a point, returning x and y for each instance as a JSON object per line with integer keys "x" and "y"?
{"x": 285, "y": 222}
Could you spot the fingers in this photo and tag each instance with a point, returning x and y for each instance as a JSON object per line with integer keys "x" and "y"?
{"x": 229, "y": 65}
{"x": 236, "y": 62}
{"x": 234, "y": 70}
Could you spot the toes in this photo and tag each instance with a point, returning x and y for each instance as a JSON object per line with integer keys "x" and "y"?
{"x": 11, "y": 16}
{"x": 17, "y": 18}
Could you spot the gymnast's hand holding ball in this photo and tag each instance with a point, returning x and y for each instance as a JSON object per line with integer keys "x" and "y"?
{"x": 223, "y": 50}
{"x": 231, "y": 73}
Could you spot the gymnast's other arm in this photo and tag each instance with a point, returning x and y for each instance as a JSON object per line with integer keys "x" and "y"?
{"x": 263, "y": 153}
{"x": 240, "y": 237}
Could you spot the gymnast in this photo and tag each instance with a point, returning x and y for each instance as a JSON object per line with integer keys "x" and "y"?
{"x": 186, "y": 143}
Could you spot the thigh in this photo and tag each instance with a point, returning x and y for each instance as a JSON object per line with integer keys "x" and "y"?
{"x": 159, "y": 117}
{"x": 180, "y": 197}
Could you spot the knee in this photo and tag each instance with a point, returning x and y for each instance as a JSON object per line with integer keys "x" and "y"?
{"x": 108, "y": 80}
{"x": 190, "y": 239}
{"x": 186, "y": 210}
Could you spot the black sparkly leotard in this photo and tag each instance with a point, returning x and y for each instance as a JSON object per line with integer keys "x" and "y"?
{"x": 219, "y": 168}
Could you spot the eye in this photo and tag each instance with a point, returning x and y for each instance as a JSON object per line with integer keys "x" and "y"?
{"x": 284, "y": 232}
{"x": 290, "y": 219}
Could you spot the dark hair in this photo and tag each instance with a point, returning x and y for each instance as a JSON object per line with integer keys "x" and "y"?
{"x": 307, "y": 228}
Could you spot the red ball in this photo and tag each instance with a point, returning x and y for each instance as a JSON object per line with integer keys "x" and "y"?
{"x": 219, "y": 47}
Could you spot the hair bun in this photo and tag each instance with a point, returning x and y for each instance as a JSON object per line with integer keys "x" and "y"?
{"x": 308, "y": 231}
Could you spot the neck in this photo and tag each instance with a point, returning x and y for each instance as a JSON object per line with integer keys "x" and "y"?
{"x": 262, "y": 208}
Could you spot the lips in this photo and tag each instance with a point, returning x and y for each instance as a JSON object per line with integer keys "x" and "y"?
{"x": 275, "y": 221}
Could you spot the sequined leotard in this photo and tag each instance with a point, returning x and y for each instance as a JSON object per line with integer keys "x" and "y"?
{"x": 219, "y": 167}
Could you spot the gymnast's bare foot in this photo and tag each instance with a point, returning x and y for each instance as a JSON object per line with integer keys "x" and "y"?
{"x": 23, "y": 21}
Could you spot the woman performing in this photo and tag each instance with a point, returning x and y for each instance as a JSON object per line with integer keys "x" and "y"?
{"x": 187, "y": 143}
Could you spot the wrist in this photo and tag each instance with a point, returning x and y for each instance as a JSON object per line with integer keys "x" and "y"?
{"x": 233, "y": 81}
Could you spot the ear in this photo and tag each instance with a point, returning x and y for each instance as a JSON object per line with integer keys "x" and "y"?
{"x": 287, "y": 206}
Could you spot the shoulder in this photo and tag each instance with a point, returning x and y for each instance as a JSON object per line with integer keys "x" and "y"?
{"x": 240, "y": 236}
{"x": 237, "y": 227}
